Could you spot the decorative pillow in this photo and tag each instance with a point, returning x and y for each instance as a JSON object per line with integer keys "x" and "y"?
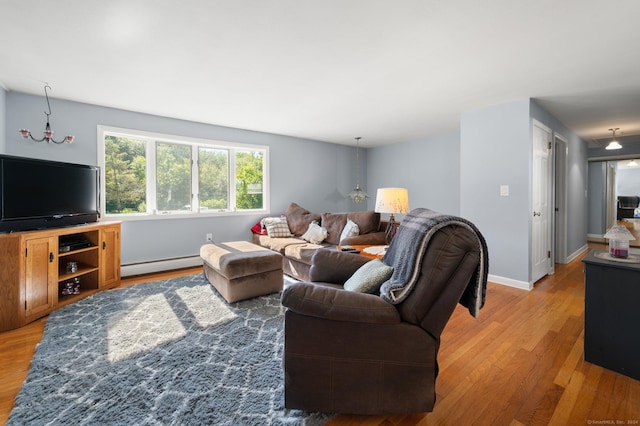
{"x": 315, "y": 234}
{"x": 277, "y": 227}
{"x": 335, "y": 223}
{"x": 351, "y": 229}
{"x": 259, "y": 229}
{"x": 369, "y": 277}
{"x": 299, "y": 218}
{"x": 368, "y": 221}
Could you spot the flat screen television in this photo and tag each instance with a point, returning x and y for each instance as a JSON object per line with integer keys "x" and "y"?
{"x": 38, "y": 194}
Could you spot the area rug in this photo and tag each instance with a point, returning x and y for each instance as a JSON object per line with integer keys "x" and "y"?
{"x": 171, "y": 352}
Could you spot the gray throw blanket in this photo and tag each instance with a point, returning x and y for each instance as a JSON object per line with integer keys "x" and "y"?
{"x": 407, "y": 250}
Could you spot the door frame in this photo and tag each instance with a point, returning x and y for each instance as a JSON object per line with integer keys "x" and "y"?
{"x": 549, "y": 210}
{"x": 611, "y": 195}
{"x": 560, "y": 204}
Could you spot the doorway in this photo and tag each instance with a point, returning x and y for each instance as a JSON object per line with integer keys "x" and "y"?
{"x": 542, "y": 189}
{"x": 549, "y": 201}
{"x": 609, "y": 179}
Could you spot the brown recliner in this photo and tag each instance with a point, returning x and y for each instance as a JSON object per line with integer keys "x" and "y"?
{"x": 349, "y": 352}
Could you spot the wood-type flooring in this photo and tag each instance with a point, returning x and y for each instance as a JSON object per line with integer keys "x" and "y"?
{"x": 520, "y": 363}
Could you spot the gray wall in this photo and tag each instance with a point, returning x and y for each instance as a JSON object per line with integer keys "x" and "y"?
{"x": 626, "y": 151}
{"x": 495, "y": 149}
{"x": 428, "y": 168}
{"x": 455, "y": 173}
{"x": 597, "y": 201}
{"x": 316, "y": 175}
{"x": 462, "y": 173}
{"x": 3, "y": 115}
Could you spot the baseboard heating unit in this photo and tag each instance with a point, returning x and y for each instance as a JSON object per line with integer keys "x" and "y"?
{"x": 150, "y": 267}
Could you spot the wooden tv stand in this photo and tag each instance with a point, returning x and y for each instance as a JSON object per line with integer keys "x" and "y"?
{"x": 33, "y": 270}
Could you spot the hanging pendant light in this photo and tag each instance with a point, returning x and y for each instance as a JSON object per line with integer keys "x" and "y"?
{"x": 48, "y": 133}
{"x": 614, "y": 143}
{"x": 358, "y": 195}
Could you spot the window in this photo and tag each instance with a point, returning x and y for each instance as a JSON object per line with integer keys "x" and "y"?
{"x": 173, "y": 177}
{"x": 148, "y": 175}
{"x": 213, "y": 169}
{"x": 124, "y": 174}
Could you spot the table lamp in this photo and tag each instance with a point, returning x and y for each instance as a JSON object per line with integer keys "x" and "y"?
{"x": 392, "y": 201}
{"x": 619, "y": 237}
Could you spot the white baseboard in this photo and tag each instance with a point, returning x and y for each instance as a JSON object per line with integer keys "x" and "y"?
{"x": 577, "y": 253}
{"x": 522, "y": 285}
{"x": 596, "y": 238}
{"x": 159, "y": 266}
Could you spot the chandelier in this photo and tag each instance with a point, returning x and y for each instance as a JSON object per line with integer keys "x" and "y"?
{"x": 358, "y": 194}
{"x": 48, "y": 133}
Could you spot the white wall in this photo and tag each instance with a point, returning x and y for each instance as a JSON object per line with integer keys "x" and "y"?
{"x": 428, "y": 168}
{"x": 316, "y": 175}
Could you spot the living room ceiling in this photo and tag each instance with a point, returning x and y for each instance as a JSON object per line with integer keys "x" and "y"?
{"x": 332, "y": 70}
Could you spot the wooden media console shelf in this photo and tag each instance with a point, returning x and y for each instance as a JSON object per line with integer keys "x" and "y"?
{"x": 43, "y": 270}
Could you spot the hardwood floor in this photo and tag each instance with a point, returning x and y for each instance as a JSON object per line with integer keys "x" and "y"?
{"x": 519, "y": 363}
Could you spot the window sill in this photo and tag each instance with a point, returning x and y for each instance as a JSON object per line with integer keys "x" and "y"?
{"x": 176, "y": 215}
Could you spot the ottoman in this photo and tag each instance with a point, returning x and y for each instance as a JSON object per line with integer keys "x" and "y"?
{"x": 241, "y": 270}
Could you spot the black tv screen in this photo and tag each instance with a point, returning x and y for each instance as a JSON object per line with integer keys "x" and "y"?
{"x": 37, "y": 194}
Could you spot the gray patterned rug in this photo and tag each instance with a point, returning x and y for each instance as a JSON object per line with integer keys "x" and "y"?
{"x": 171, "y": 352}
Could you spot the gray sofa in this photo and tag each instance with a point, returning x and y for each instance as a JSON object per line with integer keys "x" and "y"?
{"x": 297, "y": 253}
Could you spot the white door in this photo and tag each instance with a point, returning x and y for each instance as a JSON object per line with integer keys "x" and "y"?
{"x": 541, "y": 215}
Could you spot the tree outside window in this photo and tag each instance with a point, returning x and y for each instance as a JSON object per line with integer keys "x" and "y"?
{"x": 213, "y": 168}
{"x": 125, "y": 175}
{"x": 173, "y": 177}
{"x": 249, "y": 178}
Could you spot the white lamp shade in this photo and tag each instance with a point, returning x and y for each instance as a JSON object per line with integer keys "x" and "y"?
{"x": 613, "y": 145}
{"x": 619, "y": 233}
{"x": 392, "y": 200}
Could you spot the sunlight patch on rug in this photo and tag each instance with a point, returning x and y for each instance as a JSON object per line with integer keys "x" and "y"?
{"x": 172, "y": 352}
{"x": 146, "y": 326}
{"x": 203, "y": 305}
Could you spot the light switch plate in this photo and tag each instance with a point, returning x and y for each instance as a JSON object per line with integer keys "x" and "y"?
{"x": 504, "y": 190}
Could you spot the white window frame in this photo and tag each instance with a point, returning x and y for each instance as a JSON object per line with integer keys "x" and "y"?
{"x": 151, "y": 138}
